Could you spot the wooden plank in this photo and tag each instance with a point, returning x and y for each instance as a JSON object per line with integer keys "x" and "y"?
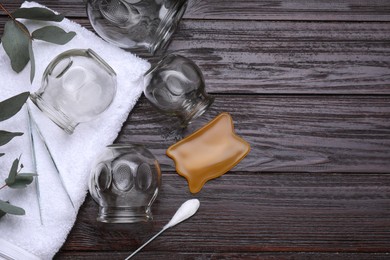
{"x": 286, "y": 57}
{"x": 289, "y": 57}
{"x": 220, "y": 255}
{"x": 286, "y": 133}
{"x": 255, "y": 213}
{"x": 302, "y": 10}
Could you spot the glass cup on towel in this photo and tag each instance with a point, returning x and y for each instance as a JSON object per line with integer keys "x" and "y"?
{"x": 136, "y": 24}
{"x": 175, "y": 86}
{"x": 125, "y": 181}
{"x": 77, "y": 86}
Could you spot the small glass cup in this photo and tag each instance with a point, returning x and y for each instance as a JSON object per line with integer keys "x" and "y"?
{"x": 125, "y": 181}
{"x": 175, "y": 86}
{"x": 76, "y": 87}
{"x": 133, "y": 24}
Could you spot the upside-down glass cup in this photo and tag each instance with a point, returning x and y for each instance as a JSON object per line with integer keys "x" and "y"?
{"x": 175, "y": 86}
{"x": 77, "y": 86}
{"x": 136, "y": 24}
{"x": 125, "y": 181}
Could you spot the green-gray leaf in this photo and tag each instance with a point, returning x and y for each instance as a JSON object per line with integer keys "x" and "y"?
{"x": 11, "y": 209}
{"x": 5, "y": 136}
{"x": 2, "y": 213}
{"x": 53, "y": 34}
{"x": 11, "y": 106}
{"x": 32, "y": 174}
{"x": 12, "y": 172}
{"x": 22, "y": 180}
{"x": 15, "y": 43}
{"x": 32, "y": 59}
{"x": 37, "y": 13}
{"x": 1, "y": 154}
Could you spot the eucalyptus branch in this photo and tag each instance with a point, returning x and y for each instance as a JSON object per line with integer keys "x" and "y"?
{"x": 16, "y": 179}
{"x": 17, "y": 43}
{"x": 16, "y": 22}
{"x": 17, "y": 40}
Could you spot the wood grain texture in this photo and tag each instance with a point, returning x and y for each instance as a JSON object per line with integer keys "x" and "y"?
{"x": 289, "y": 57}
{"x": 221, "y": 255}
{"x": 286, "y": 133}
{"x": 308, "y": 85}
{"x": 285, "y": 57}
{"x": 302, "y": 10}
{"x": 255, "y": 213}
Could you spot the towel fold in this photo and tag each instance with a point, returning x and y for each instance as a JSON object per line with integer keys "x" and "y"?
{"x": 74, "y": 154}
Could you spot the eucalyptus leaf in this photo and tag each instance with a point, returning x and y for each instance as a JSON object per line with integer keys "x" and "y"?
{"x": 22, "y": 180}
{"x": 37, "y": 13}
{"x": 5, "y": 136}
{"x": 15, "y": 43}
{"x": 32, "y": 59}
{"x": 11, "y": 106}
{"x": 31, "y": 174}
{"x": 2, "y": 213}
{"x": 11, "y": 209}
{"x": 12, "y": 172}
{"x": 53, "y": 34}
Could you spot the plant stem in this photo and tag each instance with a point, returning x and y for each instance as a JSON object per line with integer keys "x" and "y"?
{"x": 16, "y": 22}
{"x": 3, "y": 186}
{"x": 6, "y": 11}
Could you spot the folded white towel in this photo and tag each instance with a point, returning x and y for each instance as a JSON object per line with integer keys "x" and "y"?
{"x": 74, "y": 154}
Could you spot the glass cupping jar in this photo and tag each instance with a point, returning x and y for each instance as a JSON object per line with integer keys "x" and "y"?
{"x": 125, "y": 181}
{"x": 136, "y": 24}
{"x": 175, "y": 86}
{"x": 77, "y": 86}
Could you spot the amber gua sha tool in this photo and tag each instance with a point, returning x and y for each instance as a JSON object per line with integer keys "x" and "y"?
{"x": 209, "y": 152}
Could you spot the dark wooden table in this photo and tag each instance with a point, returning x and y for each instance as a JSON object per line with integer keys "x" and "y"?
{"x": 308, "y": 86}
